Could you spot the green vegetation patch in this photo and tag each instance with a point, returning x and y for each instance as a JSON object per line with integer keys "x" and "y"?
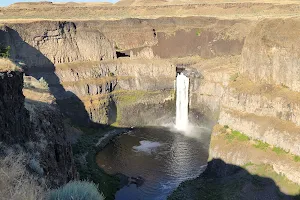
{"x": 226, "y": 126}
{"x": 125, "y": 99}
{"x": 281, "y": 181}
{"x": 5, "y": 52}
{"x": 238, "y": 136}
{"x": 131, "y": 97}
{"x": 85, "y": 151}
{"x": 248, "y": 164}
{"x": 279, "y": 150}
{"x": 234, "y": 77}
{"x": 297, "y": 158}
{"x": 198, "y": 32}
{"x": 261, "y": 145}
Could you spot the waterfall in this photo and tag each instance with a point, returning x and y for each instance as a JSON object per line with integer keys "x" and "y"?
{"x": 182, "y": 102}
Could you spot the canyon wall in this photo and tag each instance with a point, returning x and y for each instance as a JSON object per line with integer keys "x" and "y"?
{"x": 261, "y": 102}
{"x": 46, "y": 43}
{"x": 267, "y": 87}
{"x": 15, "y": 124}
{"x": 122, "y": 73}
{"x": 244, "y": 76}
{"x": 105, "y": 87}
{"x": 255, "y": 99}
{"x": 85, "y": 65}
{"x": 36, "y": 130}
{"x": 207, "y": 90}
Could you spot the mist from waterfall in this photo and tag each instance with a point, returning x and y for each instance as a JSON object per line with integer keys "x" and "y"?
{"x": 182, "y": 102}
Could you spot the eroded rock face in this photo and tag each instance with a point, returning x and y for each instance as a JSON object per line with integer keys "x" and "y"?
{"x": 15, "y": 126}
{"x": 99, "y": 85}
{"x": 207, "y": 91}
{"x": 271, "y": 53}
{"x": 39, "y": 131}
{"x": 265, "y": 112}
{"x": 240, "y": 153}
{"x": 55, "y": 153}
{"x": 205, "y": 43}
{"x": 46, "y": 43}
{"x": 262, "y": 101}
{"x": 64, "y": 43}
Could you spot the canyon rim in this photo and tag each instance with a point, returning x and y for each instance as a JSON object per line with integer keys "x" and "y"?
{"x": 90, "y": 94}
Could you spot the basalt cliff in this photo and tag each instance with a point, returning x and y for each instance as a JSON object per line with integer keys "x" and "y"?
{"x": 83, "y": 75}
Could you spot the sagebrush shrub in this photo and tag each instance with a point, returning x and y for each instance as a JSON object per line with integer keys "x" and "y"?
{"x": 15, "y": 181}
{"x": 44, "y": 83}
{"x": 5, "y": 52}
{"x": 76, "y": 190}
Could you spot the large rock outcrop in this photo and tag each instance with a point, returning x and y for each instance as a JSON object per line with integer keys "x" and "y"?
{"x": 102, "y": 87}
{"x": 271, "y": 54}
{"x": 258, "y": 101}
{"x": 15, "y": 125}
{"x": 43, "y": 44}
{"x": 262, "y": 101}
{"x": 55, "y": 152}
{"x": 39, "y": 131}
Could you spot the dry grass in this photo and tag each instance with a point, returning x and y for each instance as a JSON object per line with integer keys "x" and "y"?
{"x": 7, "y": 65}
{"x": 15, "y": 182}
{"x": 229, "y": 9}
{"x": 244, "y": 85}
{"x": 38, "y": 96}
{"x": 180, "y": 2}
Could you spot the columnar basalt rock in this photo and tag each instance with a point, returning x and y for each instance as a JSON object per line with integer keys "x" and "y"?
{"x": 262, "y": 100}
{"x": 46, "y": 43}
{"x": 15, "y": 125}
{"x": 55, "y": 152}
{"x": 37, "y": 128}
{"x": 271, "y": 55}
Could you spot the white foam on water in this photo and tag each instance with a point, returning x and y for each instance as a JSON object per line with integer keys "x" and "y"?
{"x": 147, "y": 146}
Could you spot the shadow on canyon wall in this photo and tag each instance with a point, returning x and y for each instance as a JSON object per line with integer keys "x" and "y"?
{"x": 38, "y": 66}
{"x": 218, "y": 179}
{"x": 222, "y": 181}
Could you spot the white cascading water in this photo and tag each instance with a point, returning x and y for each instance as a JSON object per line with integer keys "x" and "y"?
{"x": 182, "y": 102}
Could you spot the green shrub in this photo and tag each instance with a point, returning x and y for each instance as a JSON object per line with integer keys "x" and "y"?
{"x": 44, "y": 83}
{"x": 237, "y": 135}
{"x": 198, "y": 32}
{"x": 279, "y": 150}
{"x": 261, "y": 145}
{"x": 76, "y": 190}
{"x": 16, "y": 182}
{"x": 35, "y": 166}
{"x": 226, "y": 126}
{"x": 240, "y": 136}
{"x": 248, "y": 164}
{"x": 234, "y": 77}
{"x": 283, "y": 85}
{"x": 297, "y": 158}
{"x": 5, "y": 52}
